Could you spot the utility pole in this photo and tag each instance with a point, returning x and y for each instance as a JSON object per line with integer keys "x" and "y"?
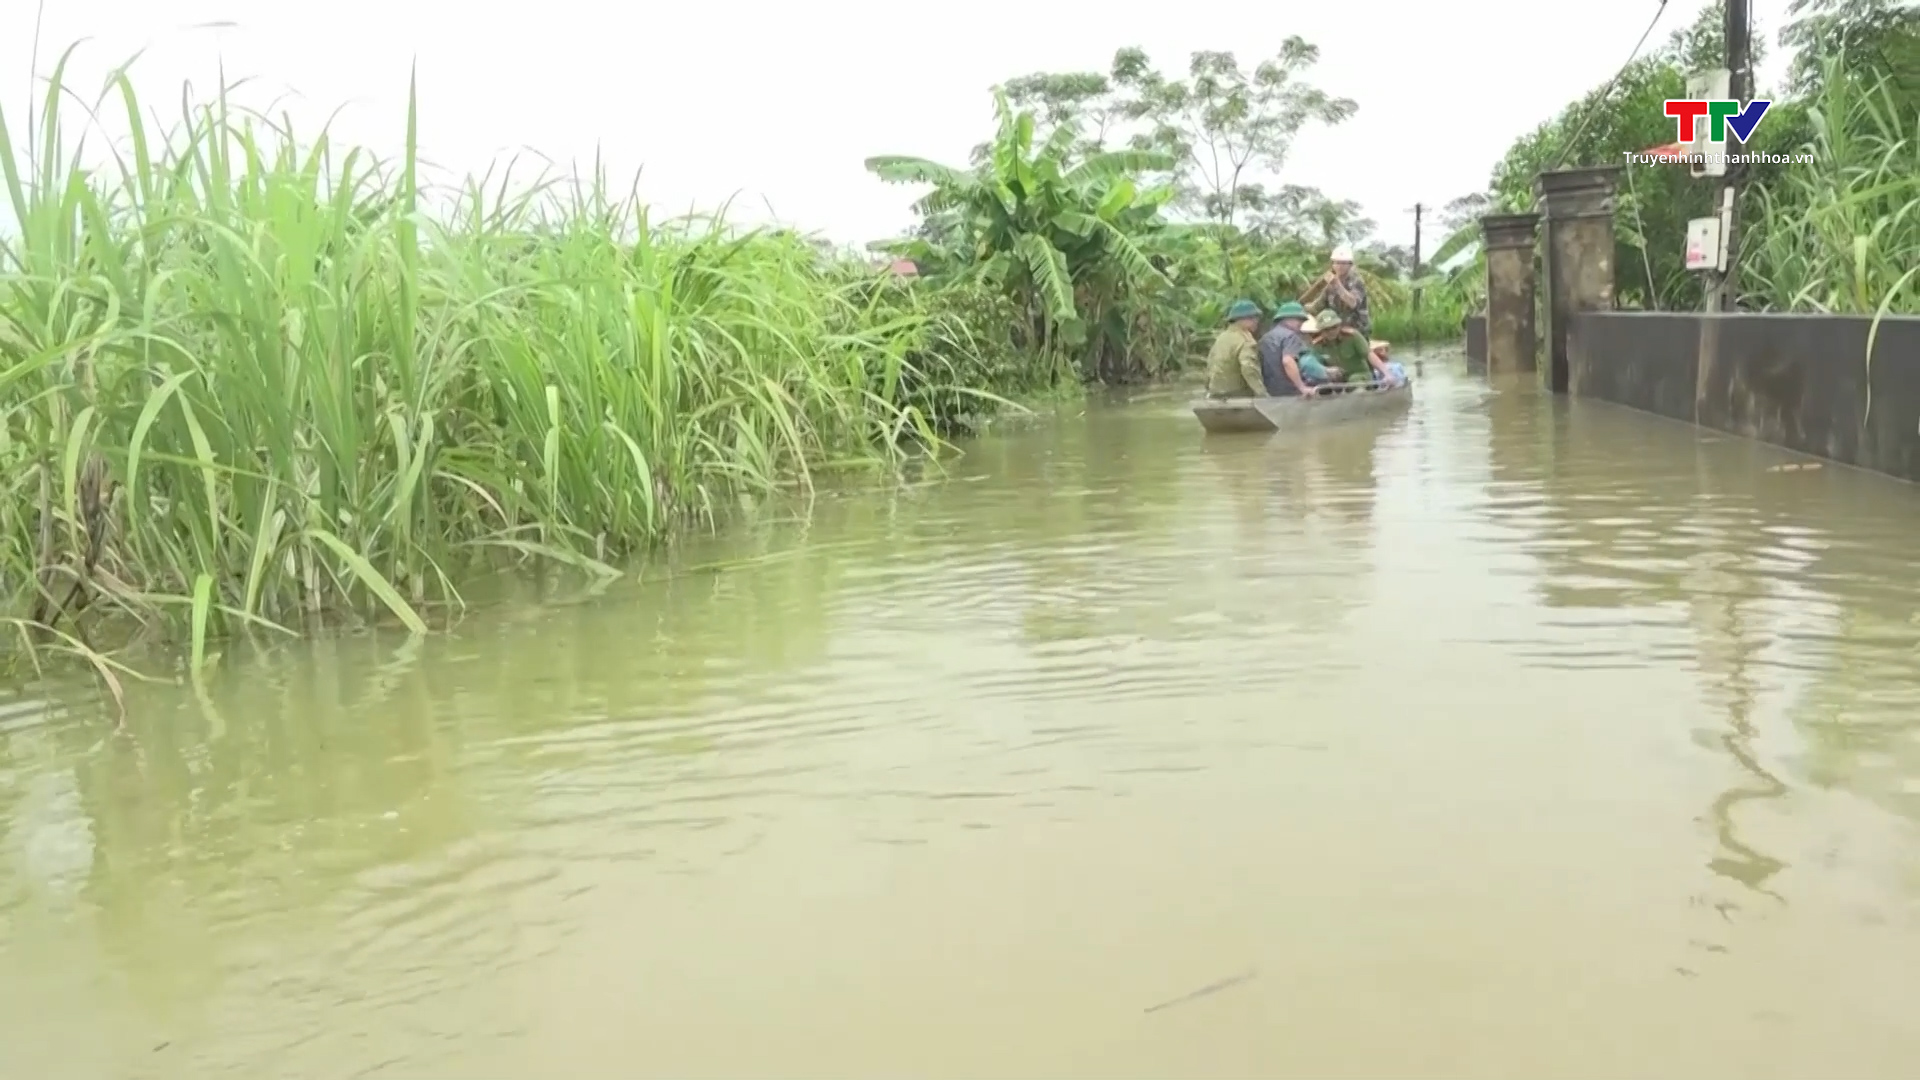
{"x": 1417, "y": 208}
{"x": 1723, "y": 289}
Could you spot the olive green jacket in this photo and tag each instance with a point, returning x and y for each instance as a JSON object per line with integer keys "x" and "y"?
{"x": 1348, "y": 353}
{"x": 1233, "y": 367}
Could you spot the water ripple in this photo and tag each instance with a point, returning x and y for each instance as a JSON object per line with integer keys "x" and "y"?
{"x": 1498, "y": 633}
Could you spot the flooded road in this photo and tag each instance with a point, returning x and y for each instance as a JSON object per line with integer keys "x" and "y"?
{"x": 1505, "y": 738}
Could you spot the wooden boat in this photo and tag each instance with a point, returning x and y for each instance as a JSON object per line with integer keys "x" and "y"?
{"x": 1331, "y": 405}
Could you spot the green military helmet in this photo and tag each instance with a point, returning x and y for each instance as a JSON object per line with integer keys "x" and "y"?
{"x": 1328, "y": 319}
{"x": 1290, "y": 310}
{"x": 1243, "y": 309}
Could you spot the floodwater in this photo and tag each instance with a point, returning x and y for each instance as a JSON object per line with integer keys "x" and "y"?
{"x": 1504, "y": 738}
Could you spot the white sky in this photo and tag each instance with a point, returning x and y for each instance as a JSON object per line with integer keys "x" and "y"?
{"x": 780, "y": 104}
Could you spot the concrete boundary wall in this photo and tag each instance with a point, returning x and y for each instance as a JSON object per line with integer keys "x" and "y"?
{"x": 1803, "y": 382}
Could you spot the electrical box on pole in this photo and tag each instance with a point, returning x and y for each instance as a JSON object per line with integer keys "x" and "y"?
{"x": 1713, "y": 85}
{"x": 1703, "y": 244}
{"x": 1707, "y": 237}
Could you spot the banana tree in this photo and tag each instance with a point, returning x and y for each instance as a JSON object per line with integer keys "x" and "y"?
{"x": 1061, "y": 236}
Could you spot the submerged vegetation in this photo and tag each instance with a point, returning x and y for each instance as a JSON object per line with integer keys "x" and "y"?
{"x": 254, "y": 382}
{"x": 248, "y": 384}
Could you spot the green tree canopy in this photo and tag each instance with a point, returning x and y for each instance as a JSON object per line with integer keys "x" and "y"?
{"x": 1061, "y": 233}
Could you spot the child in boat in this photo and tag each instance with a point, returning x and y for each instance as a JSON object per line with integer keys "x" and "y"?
{"x": 1389, "y": 370}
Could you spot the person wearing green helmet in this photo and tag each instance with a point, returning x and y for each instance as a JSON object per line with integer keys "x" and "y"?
{"x": 1233, "y": 366}
{"x": 1286, "y": 360}
{"x": 1340, "y": 345}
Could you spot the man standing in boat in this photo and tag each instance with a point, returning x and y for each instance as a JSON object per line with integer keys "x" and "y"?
{"x": 1233, "y": 366}
{"x": 1286, "y": 361}
{"x": 1343, "y": 291}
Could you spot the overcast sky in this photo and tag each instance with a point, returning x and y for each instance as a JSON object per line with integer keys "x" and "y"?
{"x": 779, "y": 104}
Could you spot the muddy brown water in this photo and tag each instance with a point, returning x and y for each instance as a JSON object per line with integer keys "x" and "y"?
{"x": 1505, "y": 738}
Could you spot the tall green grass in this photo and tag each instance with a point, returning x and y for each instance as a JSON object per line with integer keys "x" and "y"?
{"x": 1842, "y": 234}
{"x": 1443, "y": 307}
{"x": 1441, "y": 320}
{"x": 246, "y": 381}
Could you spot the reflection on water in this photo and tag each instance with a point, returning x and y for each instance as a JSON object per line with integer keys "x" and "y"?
{"x": 1572, "y": 741}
